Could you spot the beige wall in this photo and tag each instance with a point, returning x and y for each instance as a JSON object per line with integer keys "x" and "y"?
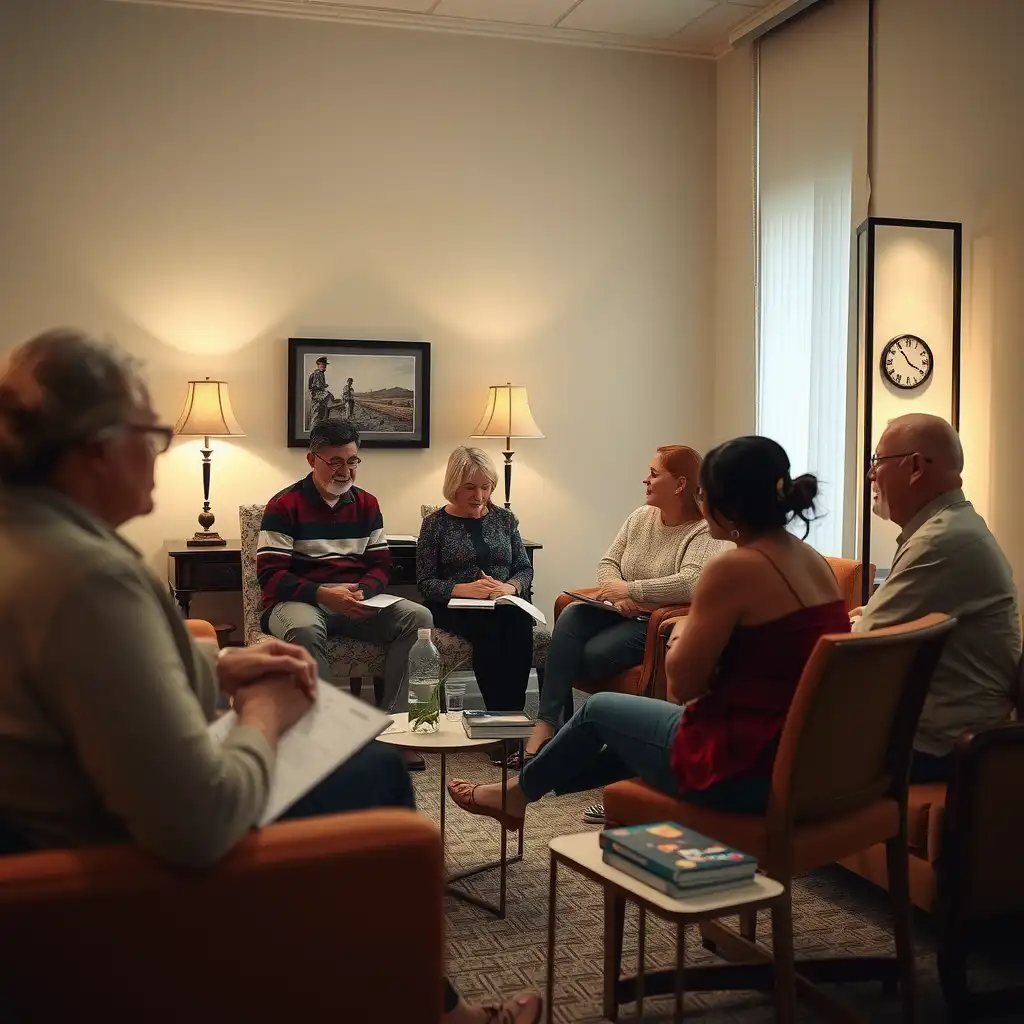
{"x": 949, "y": 145}
{"x": 735, "y": 336}
{"x": 203, "y": 186}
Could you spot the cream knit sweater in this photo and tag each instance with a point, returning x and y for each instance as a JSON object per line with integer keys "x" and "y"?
{"x": 660, "y": 563}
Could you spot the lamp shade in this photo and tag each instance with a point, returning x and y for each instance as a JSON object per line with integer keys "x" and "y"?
{"x": 207, "y": 411}
{"x": 507, "y": 414}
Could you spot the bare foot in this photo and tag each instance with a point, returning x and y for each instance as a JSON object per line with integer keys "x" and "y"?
{"x": 542, "y": 732}
{"x": 489, "y": 796}
{"x": 524, "y": 1008}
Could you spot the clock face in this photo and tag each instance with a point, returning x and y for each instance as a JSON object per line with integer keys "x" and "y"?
{"x": 906, "y": 361}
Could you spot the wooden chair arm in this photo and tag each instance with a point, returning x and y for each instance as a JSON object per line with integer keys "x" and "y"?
{"x": 262, "y": 935}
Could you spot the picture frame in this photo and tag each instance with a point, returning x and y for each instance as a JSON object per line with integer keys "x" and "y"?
{"x": 383, "y": 387}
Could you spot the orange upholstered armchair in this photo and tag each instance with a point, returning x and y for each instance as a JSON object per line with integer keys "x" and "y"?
{"x": 336, "y": 917}
{"x": 642, "y": 679}
{"x": 839, "y": 785}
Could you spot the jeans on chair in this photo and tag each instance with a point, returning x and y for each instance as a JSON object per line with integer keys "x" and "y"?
{"x": 587, "y": 644}
{"x": 393, "y": 627}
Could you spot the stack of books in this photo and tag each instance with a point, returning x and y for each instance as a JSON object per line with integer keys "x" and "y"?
{"x": 497, "y": 725}
{"x": 676, "y": 860}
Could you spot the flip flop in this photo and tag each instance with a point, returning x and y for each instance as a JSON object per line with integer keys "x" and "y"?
{"x": 469, "y": 805}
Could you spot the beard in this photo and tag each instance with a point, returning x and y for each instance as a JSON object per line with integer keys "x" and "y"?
{"x": 337, "y": 488}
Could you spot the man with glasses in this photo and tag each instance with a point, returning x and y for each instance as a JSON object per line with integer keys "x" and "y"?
{"x": 946, "y": 561}
{"x": 322, "y": 551}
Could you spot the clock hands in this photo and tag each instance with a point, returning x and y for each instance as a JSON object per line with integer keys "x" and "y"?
{"x": 909, "y": 363}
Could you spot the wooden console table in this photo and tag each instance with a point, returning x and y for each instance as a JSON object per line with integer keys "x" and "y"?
{"x": 204, "y": 570}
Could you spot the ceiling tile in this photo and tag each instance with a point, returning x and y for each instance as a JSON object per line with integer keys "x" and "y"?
{"x": 521, "y": 12}
{"x": 711, "y": 30}
{"x": 651, "y": 18}
{"x": 418, "y": 6}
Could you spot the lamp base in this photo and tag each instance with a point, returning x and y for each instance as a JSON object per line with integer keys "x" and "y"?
{"x": 203, "y": 539}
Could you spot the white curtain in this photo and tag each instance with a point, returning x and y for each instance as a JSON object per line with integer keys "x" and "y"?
{"x": 811, "y": 174}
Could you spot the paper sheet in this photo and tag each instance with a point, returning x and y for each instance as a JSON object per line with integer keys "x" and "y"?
{"x": 485, "y": 605}
{"x": 336, "y": 727}
{"x": 381, "y": 601}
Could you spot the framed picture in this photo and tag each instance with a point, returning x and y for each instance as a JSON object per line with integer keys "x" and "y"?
{"x": 382, "y": 387}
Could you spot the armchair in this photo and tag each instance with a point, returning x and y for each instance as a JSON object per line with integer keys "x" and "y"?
{"x": 109, "y": 931}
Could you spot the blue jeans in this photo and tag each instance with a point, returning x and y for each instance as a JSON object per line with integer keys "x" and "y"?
{"x": 614, "y": 736}
{"x": 617, "y": 736}
{"x": 587, "y": 644}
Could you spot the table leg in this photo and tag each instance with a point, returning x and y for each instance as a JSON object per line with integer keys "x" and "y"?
{"x": 522, "y": 831}
{"x": 552, "y": 899}
{"x": 641, "y": 929}
{"x": 444, "y": 794}
{"x": 680, "y": 968}
{"x": 504, "y": 831}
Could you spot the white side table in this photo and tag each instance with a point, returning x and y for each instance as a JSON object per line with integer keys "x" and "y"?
{"x": 450, "y": 738}
{"x": 582, "y": 853}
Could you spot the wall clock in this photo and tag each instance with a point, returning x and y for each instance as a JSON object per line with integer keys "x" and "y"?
{"x": 907, "y": 361}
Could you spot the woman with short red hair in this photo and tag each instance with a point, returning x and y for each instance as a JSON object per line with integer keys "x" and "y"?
{"x": 656, "y": 559}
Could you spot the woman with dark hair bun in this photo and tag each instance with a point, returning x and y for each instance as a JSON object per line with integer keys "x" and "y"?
{"x": 733, "y": 663}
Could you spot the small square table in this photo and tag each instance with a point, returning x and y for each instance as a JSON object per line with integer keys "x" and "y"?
{"x": 582, "y": 852}
{"x": 450, "y": 738}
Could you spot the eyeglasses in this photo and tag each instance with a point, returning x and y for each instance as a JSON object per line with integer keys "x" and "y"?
{"x": 335, "y": 464}
{"x": 158, "y": 436}
{"x": 876, "y": 459}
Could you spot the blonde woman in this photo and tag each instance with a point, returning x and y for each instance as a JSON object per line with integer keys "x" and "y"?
{"x": 470, "y": 548}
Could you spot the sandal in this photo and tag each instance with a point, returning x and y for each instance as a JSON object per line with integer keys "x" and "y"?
{"x": 525, "y": 1008}
{"x": 468, "y": 804}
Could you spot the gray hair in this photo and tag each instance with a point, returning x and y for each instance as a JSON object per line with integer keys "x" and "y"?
{"x": 464, "y": 463}
{"x": 59, "y": 389}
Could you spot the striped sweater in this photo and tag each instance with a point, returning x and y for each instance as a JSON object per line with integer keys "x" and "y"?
{"x": 305, "y": 543}
{"x": 661, "y": 564}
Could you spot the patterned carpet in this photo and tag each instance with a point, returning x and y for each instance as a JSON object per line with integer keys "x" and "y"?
{"x": 834, "y": 911}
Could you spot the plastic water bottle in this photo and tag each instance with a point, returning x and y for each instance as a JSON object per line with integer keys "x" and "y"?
{"x": 424, "y": 684}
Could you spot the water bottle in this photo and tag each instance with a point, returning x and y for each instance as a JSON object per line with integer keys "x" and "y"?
{"x": 424, "y": 684}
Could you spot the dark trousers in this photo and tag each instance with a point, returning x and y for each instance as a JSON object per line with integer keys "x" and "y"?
{"x": 502, "y": 650}
{"x": 929, "y": 768}
{"x": 374, "y": 777}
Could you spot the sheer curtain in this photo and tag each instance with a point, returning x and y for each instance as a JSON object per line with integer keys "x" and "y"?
{"x": 811, "y": 174}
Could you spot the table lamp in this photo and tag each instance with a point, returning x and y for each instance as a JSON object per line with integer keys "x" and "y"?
{"x": 507, "y": 415}
{"x": 207, "y": 413}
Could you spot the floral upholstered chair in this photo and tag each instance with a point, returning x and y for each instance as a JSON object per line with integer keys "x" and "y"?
{"x": 346, "y": 655}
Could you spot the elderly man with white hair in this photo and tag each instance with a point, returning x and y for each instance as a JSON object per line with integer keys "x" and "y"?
{"x": 946, "y": 561}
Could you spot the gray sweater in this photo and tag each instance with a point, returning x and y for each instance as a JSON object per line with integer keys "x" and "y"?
{"x": 105, "y": 698}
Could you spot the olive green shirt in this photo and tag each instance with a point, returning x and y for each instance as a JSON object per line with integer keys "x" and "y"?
{"x": 948, "y": 561}
{"x": 105, "y": 699}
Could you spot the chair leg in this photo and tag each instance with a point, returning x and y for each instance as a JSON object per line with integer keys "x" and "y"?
{"x": 783, "y": 959}
{"x": 748, "y": 925}
{"x": 614, "y": 925}
{"x": 355, "y": 686}
{"x": 897, "y": 858}
{"x": 952, "y": 964}
{"x": 378, "y": 691}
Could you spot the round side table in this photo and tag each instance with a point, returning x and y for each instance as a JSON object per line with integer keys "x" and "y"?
{"x": 450, "y": 738}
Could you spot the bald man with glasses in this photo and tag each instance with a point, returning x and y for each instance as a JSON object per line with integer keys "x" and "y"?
{"x": 946, "y": 561}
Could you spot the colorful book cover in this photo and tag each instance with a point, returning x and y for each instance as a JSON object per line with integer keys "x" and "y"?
{"x": 672, "y": 851}
{"x": 703, "y": 885}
